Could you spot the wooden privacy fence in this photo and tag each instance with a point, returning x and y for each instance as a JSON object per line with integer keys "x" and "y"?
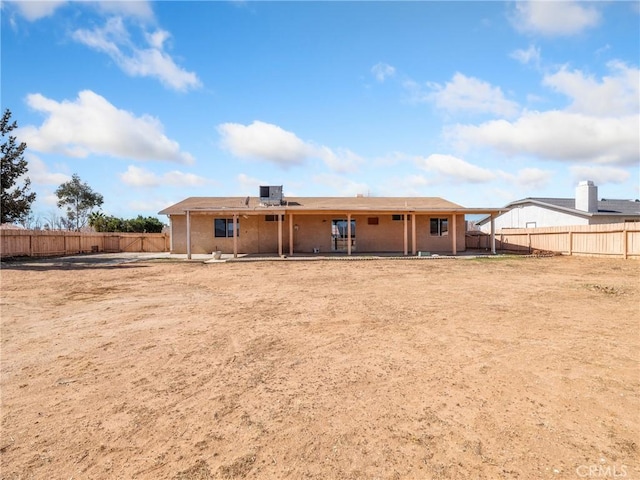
{"x": 613, "y": 239}
{"x": 42, "y": 243}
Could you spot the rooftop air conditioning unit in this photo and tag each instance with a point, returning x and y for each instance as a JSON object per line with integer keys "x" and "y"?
{"x": 271, "y": 195}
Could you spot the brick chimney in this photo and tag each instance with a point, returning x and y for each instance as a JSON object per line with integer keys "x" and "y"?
{"x": 587, "y": 196}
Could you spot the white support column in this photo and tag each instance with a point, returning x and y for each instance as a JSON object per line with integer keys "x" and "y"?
{"x": 414, "y": 246}
{"x": 454, "y": 234}
{"x": 348, "y": 234}
{"x": 235, "y": 235}
{"x": 493, "y": 234}
{"x": 406, "y": 235}
{"x": 279, "y": 234}
{"x": 291, "y": 234}
{"x": 188, "y": 235}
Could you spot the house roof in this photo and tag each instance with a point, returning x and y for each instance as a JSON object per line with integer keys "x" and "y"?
{"x": 318, "y": 204}
{"x": 606, "y": 207}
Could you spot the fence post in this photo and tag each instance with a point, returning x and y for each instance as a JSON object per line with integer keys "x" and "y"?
{"x": 570, "y": 243}
{"x": 625, "y": 242}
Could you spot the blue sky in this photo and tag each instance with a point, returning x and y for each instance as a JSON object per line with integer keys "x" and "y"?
{"x": 481, "y": 103}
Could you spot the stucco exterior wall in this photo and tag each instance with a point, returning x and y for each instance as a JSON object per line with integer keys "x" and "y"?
{"x": 431, "y": 243}
{"x": 312, "y": 232}
{"x": 256, "y": 235}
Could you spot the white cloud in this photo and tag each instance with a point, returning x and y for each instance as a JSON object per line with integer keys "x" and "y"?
{"x": 140, "y": 177}
{"x": 412, "y": 185}
{"x": 151, "y": 206}
{"x": 148, "y": 60}
{"x": 152, "y": 61}
{"x": 529, "y": 178}
{"x": 262, "y": 140}
{"x": 342, "y": 160}
{"x": 465, "y": 94}
{"x": 455, "y": 168}
{"x": 529, "y": 56}
{"x": 92, "y": 125}
{"x": 49, "y": 199}
{"x": 599, "y": 174}
{"x": 391, "y": 159}
{"x": 140, "y": 9}
{"x": 381, "y": 71}
{"x": 342, "y": 186}
{"x": 557, "y": 135}
{"x": 249, "y": 185}
{"x": 35, "y": 10}
{"x": 269, "y": 142}
{"x": 600, "y": 125}
{"x": 555, "y": 18}
{"x": 39, "y": 172}
{"x": 616, "y": 94}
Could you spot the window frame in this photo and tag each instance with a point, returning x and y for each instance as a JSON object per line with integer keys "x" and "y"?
{"x": 228, "y": 227}
{"x": 439, "y": 223}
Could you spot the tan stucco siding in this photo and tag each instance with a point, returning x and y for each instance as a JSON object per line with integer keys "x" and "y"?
{"x": 432, "y": 243}
{"x": 256, "y": 234}
{"x": 313, "y": 232}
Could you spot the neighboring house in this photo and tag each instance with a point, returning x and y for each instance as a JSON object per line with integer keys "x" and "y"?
{"x": 584, "y": 209}
{"x": 273, "y": 224}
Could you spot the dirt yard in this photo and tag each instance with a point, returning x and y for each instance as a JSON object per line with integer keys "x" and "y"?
{"x": 381, "y": 369}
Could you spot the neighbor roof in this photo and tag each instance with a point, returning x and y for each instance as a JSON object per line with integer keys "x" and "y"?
{"x": 309, "y": 204}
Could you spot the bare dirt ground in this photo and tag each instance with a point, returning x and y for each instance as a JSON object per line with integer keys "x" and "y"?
{"x": 381, "y": 369}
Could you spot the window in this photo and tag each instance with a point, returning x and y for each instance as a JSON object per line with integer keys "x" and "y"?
{"x": 372, "y": 221}
{"x": 223, "y": 227}
{"x": 439, "y": 226}
{"x": 397, "y": 217}
{"x": 273, "y": 218}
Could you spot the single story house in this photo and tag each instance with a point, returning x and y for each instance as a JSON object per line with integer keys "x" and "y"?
{"x": 584, "y": 209}
{"x": 272, "y": 224}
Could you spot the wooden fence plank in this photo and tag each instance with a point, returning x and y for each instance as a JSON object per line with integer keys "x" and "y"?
{"x": 616, "y": 239}
{"x": 41, "y": 243}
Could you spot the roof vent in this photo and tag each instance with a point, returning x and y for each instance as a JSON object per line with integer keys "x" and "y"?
{"x": 271, "y": 195}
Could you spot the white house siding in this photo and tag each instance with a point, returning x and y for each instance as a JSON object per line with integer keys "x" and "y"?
{"x": 533, "y": 215}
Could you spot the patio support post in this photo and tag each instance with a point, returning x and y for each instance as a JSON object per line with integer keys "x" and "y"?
{"x": 493, "y": 234}
{"x": 188, "y": 234}
{"x": 235, "y": 235}
{"x": 454, "y": 234}
{"x": 170, "y": 234}
{"x": 414, "y": 246}
{"x": 291, "y": 234}
{"x": 279, "y": 234}
{"x": 348, "y": 234}
{"x": 405, "y": 239}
